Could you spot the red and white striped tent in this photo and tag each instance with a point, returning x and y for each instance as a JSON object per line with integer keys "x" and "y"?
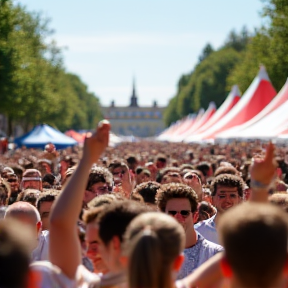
{"x": 231, "y": 100}
{"x": 202, "y": 121}
{"x": 254, "y": 100}
{"x": 255, "y": 126}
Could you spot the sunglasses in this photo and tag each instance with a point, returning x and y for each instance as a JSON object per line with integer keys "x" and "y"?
{"x": 184, "y": 213}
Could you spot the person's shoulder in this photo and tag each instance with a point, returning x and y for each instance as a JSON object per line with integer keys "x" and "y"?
{"x": 205, "y": 223}
{"x": 213, "y": 246}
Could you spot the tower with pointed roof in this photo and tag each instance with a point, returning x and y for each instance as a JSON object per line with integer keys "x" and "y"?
{"x": 134, "y": 119}
{"x": 134, "y": 100}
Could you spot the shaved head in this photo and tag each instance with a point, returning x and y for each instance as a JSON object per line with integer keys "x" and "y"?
{"x": 23, "y": 211}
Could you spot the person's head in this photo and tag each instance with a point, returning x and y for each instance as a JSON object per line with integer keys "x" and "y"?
{"x": 205, "y": 168}
{"x": 143, "y": 176}
{"x": 112, "y": 223}
{"x": 31, "y": 179}
{"x": 92, "y": 238}
{"x": 227, "y": 191}
{"x": 148, "y": 191}
{"x": 100, "y": 181}
{"x": 254, "y": 237}
{"x": 5, "y": 191}
{"x": 132, "y": 162}
{"x": 29, "y": 195}
{"x": 6, "y": 170}
{"x": 119, "y": 169}
{"x": 50, "y": 148}
{"x": 153, "y": 243}
{"x": 26, "y": 213}
{"x": 226, "y": 170}
{"x": 44, "y": 205}
{"x": 179, "y": 201}
{"x": 16, "y": 244}
{"x": 205, "y": 211}
{"x": 280, "y": 199}
{"x": 191, "y": 179}
{"x": 161, "y": 161}
{"x": 44, "y": 166}
{"x": 101, "y": 200}
{"x": 169, "y": 175}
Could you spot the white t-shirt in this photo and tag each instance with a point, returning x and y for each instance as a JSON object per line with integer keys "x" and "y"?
{"x": 51, "y": 276}
{"x": 41, "y": 252}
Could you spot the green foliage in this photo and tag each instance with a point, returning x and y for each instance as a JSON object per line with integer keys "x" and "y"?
{"x": 268, "y": 47}
{"x": 237, "y": 62}
{"x": 207, "y": 83}
{"x": 34, "y": 87}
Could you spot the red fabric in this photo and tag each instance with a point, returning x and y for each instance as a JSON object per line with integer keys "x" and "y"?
{"x": 76, "y": 136}
{"x": 214, "y": 120}
{"x": 261, "y": 97}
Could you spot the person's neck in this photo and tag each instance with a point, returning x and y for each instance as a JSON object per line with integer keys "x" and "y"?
{"x": 217, "y": 217}
{"x": 191, "y": 237}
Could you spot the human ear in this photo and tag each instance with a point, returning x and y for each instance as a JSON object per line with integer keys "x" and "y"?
{"x": 285, "y": 269}
{"x": 226, "y": 268}
{"x": 116, "y": 243}
{"x": 178, "y": 262}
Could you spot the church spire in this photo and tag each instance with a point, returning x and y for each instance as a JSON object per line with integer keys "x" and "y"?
{"x": 133, "y": 101}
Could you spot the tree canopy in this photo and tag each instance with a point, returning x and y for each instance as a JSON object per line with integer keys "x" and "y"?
{"x": 34, "y": 85}
{"x": 236, "y": 62}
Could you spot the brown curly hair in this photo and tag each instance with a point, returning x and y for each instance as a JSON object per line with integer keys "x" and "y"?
{"x": 176, "y": 190}
{"x": 228, "y": 180}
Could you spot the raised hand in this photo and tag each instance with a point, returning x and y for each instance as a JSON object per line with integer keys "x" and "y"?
{"x": 263, "y": 169}
{"x": 95, "y": 145}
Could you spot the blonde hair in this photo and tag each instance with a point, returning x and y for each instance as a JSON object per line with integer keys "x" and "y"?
{"x": 152, "y": 242}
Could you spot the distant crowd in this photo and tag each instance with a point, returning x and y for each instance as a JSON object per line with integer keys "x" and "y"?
{"x": 144, "y": 215}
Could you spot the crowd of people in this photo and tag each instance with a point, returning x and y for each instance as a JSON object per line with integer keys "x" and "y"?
{"x": 144, "y": 215}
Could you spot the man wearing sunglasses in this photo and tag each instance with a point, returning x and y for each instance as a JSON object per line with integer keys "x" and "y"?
{"x": 180, "y": 201}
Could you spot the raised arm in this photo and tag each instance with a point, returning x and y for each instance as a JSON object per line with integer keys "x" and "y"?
{"x": 262, "y": 172}
{"x": 64, "y": 244}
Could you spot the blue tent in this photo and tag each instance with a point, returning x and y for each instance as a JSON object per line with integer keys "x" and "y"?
{"x": 43, "y": 134}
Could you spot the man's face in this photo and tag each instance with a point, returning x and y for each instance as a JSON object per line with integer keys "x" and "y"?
{"x": 225, "y": 198}
{"x": 14, "y": 184}
{"x": 95, "y": 190}
{"x": 178, "y": 205}
{"x": 92, "y": 242}
{"x": 32, "y": 184}
{"x": 44, "y": 211}
{"x": 118, "y": 174}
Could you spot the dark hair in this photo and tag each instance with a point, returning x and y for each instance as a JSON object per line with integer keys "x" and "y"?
{"x": 204, "y": 167}
{"x": 48, "y": 196}
{"x": 165, "y": 171}
{"x": 49, "y": 178}
{"x": 99, "y": 174}
{"x": 175, "y": 190}
{"x": 114, "y": 220}
{"x": 148, "y": 191}
{"x": 228, "y": 180}
{"x": 91, "y": 215}
{"x": 15, "y": 249}
{"x": 152, "y": 242}
{"x": 248, "y": 232}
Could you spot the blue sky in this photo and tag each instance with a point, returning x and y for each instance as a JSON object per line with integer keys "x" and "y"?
{"x": 107, "y": 42}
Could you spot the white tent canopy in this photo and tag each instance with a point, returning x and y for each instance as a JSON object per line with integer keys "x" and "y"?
{"x": 254, "y": 100}
{"x": 237, "y": 132}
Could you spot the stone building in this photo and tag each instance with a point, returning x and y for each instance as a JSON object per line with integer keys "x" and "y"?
{"x": 135, "y": 120}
